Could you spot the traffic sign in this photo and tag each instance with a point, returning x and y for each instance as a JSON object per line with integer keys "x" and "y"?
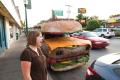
{"x": 57, "y": 12}
{"x": 82, "y": 10}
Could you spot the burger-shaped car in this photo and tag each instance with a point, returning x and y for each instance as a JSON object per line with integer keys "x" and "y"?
{"x": 64, "y": 52}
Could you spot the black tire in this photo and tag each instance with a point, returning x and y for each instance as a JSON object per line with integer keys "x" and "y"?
{"x": 110, "y": 37}
{"x": 102, "y": 35}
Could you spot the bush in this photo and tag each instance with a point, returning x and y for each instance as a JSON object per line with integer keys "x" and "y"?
{"x": 93, "y": 24}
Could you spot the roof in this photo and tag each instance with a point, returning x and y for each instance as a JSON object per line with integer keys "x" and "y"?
{"x": 110, "y": 58}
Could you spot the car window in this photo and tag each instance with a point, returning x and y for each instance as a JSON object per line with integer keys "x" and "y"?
{"x": 75, "y": 34}
{"x": 104, "y": 30}
{"x": 80, "y": 34}
{"x": 84, "y": 34}
{"x": 96, "y": 30}
{"x": 90, "y": 34}
{"x": 99, "y": 30}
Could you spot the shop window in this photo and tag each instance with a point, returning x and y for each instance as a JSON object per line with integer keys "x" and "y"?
{"x": 11, "y": 32}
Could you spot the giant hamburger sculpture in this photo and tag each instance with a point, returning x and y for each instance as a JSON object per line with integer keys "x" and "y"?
{"x": 62, "y": 52}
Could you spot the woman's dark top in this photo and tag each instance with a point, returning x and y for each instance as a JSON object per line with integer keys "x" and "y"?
{"x": 38, "y": 63}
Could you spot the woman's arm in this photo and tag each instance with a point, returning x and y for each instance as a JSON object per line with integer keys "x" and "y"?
{"x": 26, "y": 67}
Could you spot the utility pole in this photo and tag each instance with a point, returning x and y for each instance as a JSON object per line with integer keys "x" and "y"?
{"x": 26, "y": 22}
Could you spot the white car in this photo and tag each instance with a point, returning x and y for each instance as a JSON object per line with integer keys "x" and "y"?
{"x": 106, "y": 67}
{"x": 105, "y": 32}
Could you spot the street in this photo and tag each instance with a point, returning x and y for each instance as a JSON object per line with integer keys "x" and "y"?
{"x": 112, "y": 48}
{"x": 79, "y": 73}
{"x": 54, "y": 21}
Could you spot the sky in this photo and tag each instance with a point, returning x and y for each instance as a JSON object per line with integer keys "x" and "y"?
{"x": 41, "y": 9}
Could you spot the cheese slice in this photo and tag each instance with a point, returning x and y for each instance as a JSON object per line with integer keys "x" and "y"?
{"x": 54, "y": 43}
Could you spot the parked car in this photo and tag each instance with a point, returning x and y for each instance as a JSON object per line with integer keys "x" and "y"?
{"x": 97, "y": 42}
{"x": 117, "y": 32}
{"x": 105, "y": 68}
{"x": 105, "y": 32}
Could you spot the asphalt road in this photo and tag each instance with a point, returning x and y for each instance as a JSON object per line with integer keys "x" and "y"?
{"x": 79, "y": 73}
{"x": 114, "y": 47}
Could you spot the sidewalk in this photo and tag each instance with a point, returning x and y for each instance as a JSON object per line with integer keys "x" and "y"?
{"x": 10, "y": 63}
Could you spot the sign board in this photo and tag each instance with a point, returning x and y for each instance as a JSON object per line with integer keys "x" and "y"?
{"x": 28, "y": 5}
{"x": 82, "y": 10}
{"x": 111, "y": 20}
{"x": 57, "y": 12}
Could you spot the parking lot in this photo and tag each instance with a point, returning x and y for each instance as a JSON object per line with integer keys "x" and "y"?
{"x": 79, "y": 73}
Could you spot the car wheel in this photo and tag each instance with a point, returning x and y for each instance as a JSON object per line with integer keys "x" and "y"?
{"x": 110, "y": 37}
{"x": 102, "y": 35}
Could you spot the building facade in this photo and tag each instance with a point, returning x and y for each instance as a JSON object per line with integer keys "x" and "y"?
{"x": 10, "y": 24}
{"x": 114, "y": 21}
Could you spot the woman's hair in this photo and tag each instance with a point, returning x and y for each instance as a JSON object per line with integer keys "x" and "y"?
{"x": 31, "y": 37}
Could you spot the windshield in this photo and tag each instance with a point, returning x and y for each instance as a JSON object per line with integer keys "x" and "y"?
{"x": 90, "y": 34}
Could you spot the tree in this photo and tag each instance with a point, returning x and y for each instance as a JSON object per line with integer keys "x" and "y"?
{"x": 93, "y": 24}
{"x": 81, "y": 17}
{"x": 102, "y": 22}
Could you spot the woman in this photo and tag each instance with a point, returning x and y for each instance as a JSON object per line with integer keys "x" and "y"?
{"x": 33, "y": 62}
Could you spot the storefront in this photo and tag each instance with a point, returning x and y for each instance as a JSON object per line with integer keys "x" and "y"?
{"x": 2, "y": 35}
{"x": 9, "y": 24}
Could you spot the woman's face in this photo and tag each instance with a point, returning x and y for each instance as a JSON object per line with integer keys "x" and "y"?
{"x": 39, "y": 40}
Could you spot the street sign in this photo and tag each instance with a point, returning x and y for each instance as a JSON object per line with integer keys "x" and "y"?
{"x": 82, "y": 10}
{"x": 57, "y": 12}
{"x": 29, "y": 4}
